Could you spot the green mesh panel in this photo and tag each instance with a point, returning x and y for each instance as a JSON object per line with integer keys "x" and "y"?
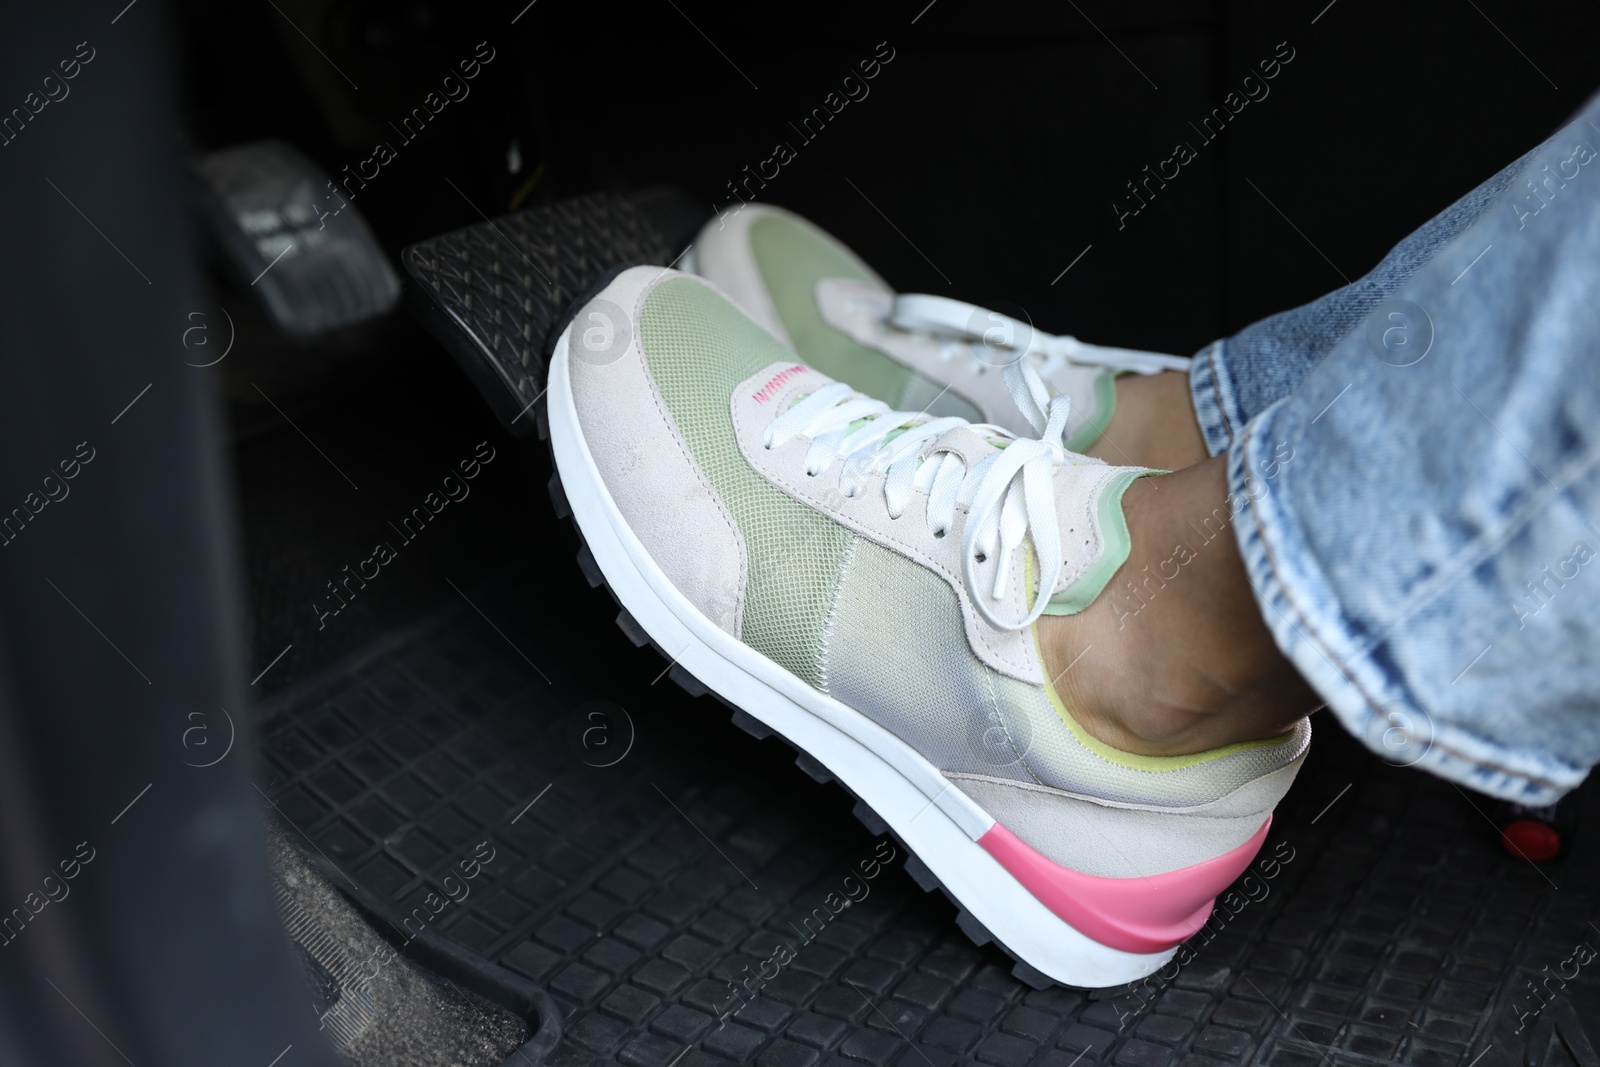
{"x": 792, "y": 258}
{"x": 698, "y": 347}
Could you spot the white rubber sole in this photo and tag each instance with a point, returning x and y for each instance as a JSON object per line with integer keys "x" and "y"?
{"x": 934, "y": 819}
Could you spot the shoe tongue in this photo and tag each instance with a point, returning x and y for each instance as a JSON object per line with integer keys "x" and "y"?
{"x": 972, "y": 447}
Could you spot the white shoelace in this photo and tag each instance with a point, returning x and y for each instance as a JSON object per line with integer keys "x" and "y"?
{"x": 1009, "y": 495}
{"x": 957, "y": 325}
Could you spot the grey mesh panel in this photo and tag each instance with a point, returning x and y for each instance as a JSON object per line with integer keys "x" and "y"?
{"x": 897, "y": 652}
{"x": 925, "y": 394}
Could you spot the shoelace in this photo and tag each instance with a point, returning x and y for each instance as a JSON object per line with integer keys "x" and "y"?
{"x": 1009, "y": 495}
{"x": 953, "y": 321}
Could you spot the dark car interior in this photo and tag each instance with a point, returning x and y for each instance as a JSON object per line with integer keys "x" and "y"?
{"x": 414, "y": 792}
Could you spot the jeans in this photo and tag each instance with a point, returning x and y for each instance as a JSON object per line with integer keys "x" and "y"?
{"x": 1414, "y": 479}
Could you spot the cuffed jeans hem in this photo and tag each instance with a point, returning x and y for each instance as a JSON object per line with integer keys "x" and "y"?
{"x": 1346, "y": 668}
{"x": 1216, "y": 405}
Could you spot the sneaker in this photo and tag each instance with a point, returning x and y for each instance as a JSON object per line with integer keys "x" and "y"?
{"x": 866, "y": 583}
{"x": 911, "y": 351}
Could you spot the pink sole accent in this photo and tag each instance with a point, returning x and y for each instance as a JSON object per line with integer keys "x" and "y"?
{"x": 1149, "y": 914}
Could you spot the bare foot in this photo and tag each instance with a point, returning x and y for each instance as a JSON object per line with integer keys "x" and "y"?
{"x": 1173, "y": 656}
{"x": 1152, "y": 425}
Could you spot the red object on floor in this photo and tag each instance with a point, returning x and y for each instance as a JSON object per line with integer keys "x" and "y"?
{"x": 1531, "y": 839}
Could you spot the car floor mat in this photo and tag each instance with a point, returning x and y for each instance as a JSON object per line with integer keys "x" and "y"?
{"x": 378, "y": 1007}
{"x": 680, "y": 888}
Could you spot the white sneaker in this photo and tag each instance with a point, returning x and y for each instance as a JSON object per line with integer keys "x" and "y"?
{"x": 867, "y": 583}
{"x": 913, "y": 352}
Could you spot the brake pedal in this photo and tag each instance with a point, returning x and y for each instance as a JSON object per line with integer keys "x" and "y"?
{"x": 292, "y": 241}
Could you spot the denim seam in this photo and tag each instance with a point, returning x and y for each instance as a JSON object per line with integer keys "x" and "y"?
{"x": 1205, "y": 396}
{"x": 1216, "y": 392}
{"x": 1374, "y": 705}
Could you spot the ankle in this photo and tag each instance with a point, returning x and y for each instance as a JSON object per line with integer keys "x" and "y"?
{"x": 1173, "y": 657}
{"x": 1153, "y": 424}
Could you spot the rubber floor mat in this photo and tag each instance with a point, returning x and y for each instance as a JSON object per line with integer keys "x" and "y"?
{"x": 514, "y": 777}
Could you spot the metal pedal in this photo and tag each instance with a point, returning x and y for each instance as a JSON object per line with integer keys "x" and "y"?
{"x": 292, "y": 240}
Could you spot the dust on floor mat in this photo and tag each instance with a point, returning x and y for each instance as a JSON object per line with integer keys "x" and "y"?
{"x": 377, "y": 1007}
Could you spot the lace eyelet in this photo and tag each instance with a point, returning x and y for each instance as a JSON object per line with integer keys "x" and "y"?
{"x": 938, "y": 533}
{"x": 980, "y": 557}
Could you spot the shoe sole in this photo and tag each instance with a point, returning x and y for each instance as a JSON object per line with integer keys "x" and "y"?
{"x": 937, "y": 823}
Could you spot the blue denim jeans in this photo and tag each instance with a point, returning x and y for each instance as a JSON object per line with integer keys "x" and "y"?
{"x": 1414, "y": 470}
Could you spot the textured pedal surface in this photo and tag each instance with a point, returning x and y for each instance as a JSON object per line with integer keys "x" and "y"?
{"x": 300, "y": 249}
{"x": 646, "y": 854}
{"x": 491, "y": 292}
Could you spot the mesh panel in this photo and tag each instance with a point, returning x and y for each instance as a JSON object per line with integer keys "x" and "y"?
{"x": 924, "y": 394}
{"x": 698, "y": 347}
{"x": 792, "y": 256}
{"x": 898, "y": 654}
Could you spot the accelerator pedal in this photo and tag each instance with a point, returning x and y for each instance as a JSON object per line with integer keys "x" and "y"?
{"x": 491, "y": 293}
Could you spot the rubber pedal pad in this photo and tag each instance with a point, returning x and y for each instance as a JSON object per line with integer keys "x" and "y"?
{"x": 496, "y": 294}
